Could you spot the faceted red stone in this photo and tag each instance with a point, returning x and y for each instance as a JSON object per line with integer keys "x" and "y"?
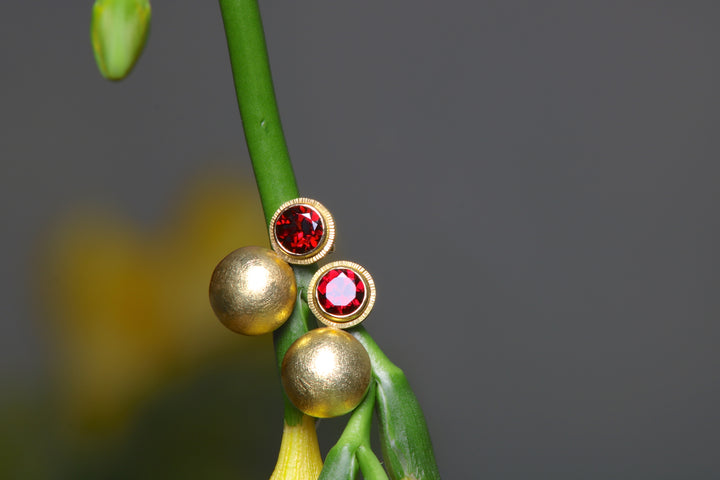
{"x": 341, "y": 292}
{"x": 299, "y": 229}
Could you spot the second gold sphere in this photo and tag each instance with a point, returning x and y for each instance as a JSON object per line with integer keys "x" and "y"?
{"x": 326, "y": 373}
{"x": 252, "y": 291}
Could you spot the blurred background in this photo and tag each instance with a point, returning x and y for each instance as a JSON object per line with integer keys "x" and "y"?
{"x": 533, "y": 185}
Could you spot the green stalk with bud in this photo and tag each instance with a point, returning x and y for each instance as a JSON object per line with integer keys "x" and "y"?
{"x": 119, "y": 31}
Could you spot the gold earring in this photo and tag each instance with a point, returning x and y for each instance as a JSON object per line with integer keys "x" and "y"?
{"x": 253, "y": 291}
{"x": 326, "y": 372}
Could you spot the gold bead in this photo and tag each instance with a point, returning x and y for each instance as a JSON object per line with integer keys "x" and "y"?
{"x": 252, "y": 291}
{"x": 326, "y": 372}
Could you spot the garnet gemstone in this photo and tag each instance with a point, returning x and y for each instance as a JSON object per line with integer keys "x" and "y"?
{"x": 299, "y": 229}
{"x": 341, "y": 292}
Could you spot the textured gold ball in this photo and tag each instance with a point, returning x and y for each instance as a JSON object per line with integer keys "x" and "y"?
{"x": 252, "y": 291}
{"x": 326, "y": 373}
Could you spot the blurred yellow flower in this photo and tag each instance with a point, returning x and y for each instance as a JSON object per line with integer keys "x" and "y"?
{"x": 129, "y": 309}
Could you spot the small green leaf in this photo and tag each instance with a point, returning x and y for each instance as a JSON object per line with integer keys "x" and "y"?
{"x": 353, "y": 448}
{"x": 118, "y": 32}
{"x": 340, "y": 464}
{"x": 404, "y": 435}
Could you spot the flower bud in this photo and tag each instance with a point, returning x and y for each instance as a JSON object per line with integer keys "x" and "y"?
{"x": 118, "y": 31}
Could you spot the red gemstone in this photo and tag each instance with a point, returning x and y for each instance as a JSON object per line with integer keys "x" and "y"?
{"x": 299, "y": 229}
{"x": 341, "y": 292}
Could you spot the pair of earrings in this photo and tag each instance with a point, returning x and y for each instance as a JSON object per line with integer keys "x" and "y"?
{"x": 325, "y": 372}
{"x": 340, "y": 294}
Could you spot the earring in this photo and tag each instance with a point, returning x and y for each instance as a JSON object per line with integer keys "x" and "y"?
{"x": 252, "y": 291}
{"x": 341, "y": 294}
{"x": 326, "y": 372}
{"x": 302, "y": 231}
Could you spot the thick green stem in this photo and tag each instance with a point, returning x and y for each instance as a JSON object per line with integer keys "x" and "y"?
{"x": 258, "y": 108}
{"x": 266, "y": 144}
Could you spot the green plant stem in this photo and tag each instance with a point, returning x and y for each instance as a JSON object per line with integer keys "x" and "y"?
{"x": 266, "y": 145}
{"x": 258, "y": 108}
{"x": 370, "y": 466}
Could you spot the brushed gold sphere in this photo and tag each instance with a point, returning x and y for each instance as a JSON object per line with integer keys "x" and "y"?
{"x": 326, "y": 372}
{"x": 252, "y": 291}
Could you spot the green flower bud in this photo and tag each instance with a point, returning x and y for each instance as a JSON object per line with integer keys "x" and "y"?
{"x": 118, "y": 32}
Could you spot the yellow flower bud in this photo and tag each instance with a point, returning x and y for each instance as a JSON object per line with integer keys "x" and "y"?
{"x": 299, "y": 457}
{"x": 118, "y": 31}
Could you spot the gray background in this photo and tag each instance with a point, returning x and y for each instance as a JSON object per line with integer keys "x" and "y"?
{"x": 533, "y": 185}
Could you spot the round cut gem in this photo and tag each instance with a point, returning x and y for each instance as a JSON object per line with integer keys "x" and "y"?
{"x": 299, "y": 229}
{"x": 341, "y": 292}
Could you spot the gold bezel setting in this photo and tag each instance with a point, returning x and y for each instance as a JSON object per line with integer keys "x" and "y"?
{"x": 325, "y": 244}
{"x": 347, "y": 320}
